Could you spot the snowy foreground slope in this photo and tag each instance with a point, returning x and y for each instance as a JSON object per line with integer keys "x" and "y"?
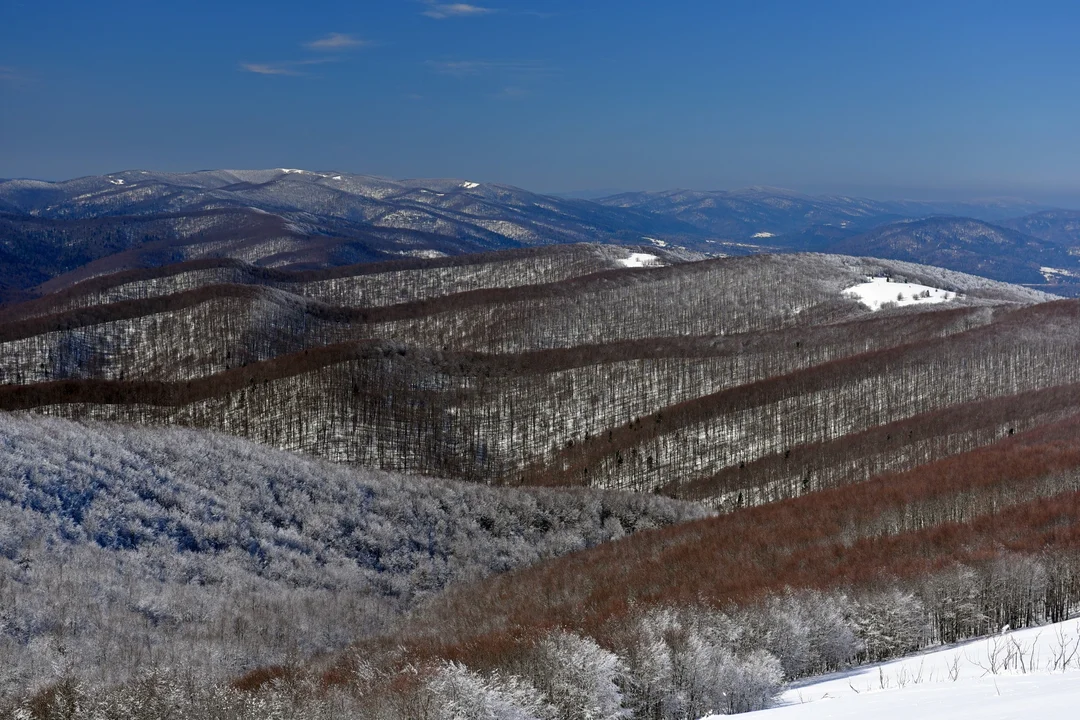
{"x": 1033, "y": 672}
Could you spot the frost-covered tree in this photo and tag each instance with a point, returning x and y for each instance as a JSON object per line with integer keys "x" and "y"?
{"x": 808, "y": 631}
{"x": 683, "y": 664}
{"x": 890, "y": 623}
{"x": 578, "y": 677}
{"x": 717, "y": 681}
{"x": 458, "y": 693}
{"x": 953, "y": 603}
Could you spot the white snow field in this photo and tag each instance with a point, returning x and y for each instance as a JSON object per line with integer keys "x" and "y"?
{"x": 876, "y": 292}
{"x": 1049, "y": 273}
{"x": 639, "y": 260}
{"x": 1030, "y": 673}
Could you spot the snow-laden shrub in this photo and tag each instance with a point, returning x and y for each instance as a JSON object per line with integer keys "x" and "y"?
{"x": 579, "y": 678}
{"x": 458, "y": 693}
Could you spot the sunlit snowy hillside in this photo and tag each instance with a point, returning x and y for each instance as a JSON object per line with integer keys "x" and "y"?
{"x": 1030, "y": 673}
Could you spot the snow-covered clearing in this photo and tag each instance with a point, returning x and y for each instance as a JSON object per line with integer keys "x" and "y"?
{"x": 426, "y": 254}
{"x": 639, "y": 260}
{"x": 470, "y": 185}
{"x": 655, "y": 241}
{"x": 1033, "y": 672}
{"x": 876, "y": 292}
{"x": 763, "y": 235}
{"x": 1049, "y": 273}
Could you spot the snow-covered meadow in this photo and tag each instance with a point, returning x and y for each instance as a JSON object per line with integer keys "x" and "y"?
{"x": 640, "y": 260}
{"x": 877, "y": 292}
{"x": 1033, "y": 672}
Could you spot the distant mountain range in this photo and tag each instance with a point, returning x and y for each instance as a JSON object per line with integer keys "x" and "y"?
{"x": 979, "y": 247}
{"x": 53, "y": 234}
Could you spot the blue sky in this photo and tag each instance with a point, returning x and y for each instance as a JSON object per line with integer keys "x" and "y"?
{"x": 880, "y": 98}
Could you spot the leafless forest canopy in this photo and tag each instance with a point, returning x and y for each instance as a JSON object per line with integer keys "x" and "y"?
{"x": 693, "y": 481}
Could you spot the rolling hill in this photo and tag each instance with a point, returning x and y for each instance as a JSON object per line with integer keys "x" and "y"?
{"x": 832, "y": 459}
{"x": 554, "y": 366}
{"x": 54, "y": 234}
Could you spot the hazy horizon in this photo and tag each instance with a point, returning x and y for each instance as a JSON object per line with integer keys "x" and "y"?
{"x": 884, "y": 100}
{"x": 1064, "y": 200}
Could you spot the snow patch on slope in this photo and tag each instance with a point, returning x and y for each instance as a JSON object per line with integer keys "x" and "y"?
{"x": 470, "y": 185}
{"x": 763, "y": 235}
{"x": 639, "y": 260}
{"x": 972, "y": 680}
{"x": 1049, "y": 273}
{"x": 426, "y": 254}
{"x": 877, "y": 292}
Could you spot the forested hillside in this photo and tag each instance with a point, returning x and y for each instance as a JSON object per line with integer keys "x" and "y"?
{"x": 711, "y": 616}
{"x": 891, "y": 449}
{"x": 706, "y": 616}
{"x": 555, "y": 366}
{"x": 124, "y": 549}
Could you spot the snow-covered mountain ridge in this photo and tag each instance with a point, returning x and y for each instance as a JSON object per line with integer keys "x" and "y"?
{"x": 70, "y": 230}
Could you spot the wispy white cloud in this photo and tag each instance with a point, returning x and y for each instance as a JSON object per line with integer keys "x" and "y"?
{"x": 291, "y": 68}
{"x": 270, "y": 68}
{"x": 335, "y": 42}
{"x": 332, "y": 48}
{"x": 441, "y": 11}
{"x": 9, "y": 74}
